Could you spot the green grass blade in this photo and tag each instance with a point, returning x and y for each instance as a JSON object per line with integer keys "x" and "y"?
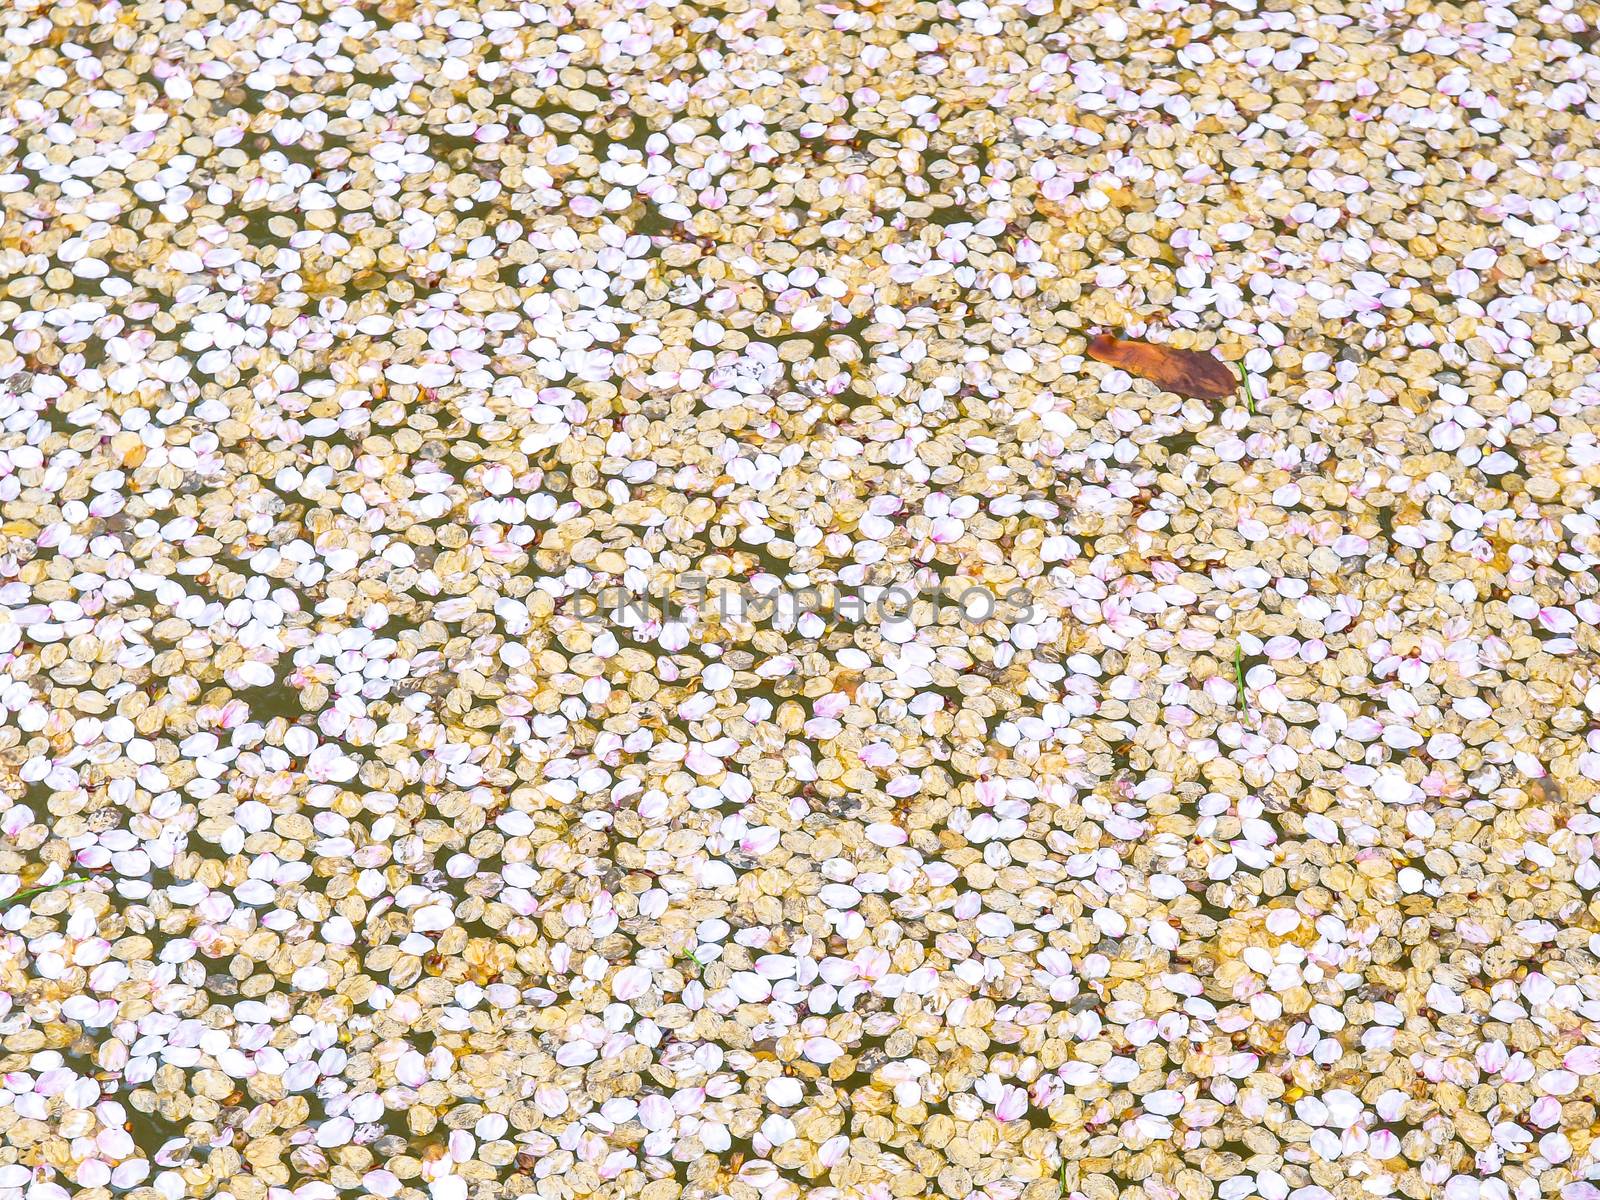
{"x": 32, "y": 892}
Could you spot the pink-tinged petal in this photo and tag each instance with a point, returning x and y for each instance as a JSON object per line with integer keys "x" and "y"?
{"x": 1492, "y": 1057}
{"x": 762, "y": 840}
{"x": 883, "y": 834}
{"x": 878, "y": 754}
{"x": 1545, "y": 1111}
{"x": 1383, "y": 1145}
{"x": 1056, "y": 962}
{"x": 655, "y": 1112}
{"x": 1557, "y": 620}
{"x": 1013, "y": 1103}
{"x": 822, "y": 1050}
{"x": 114, "y": 1144}
{"x": 1585, "y": 1060}
{"x": 630, "y": 983}
{"x": 575, "y": 1054}
{"x": 550, "y": 1100}
{"x": 411, "y": 1069}
{"x": 831, "y": 706}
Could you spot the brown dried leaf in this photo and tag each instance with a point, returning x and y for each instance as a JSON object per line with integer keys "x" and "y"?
{"x": 1196, "y": 374}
